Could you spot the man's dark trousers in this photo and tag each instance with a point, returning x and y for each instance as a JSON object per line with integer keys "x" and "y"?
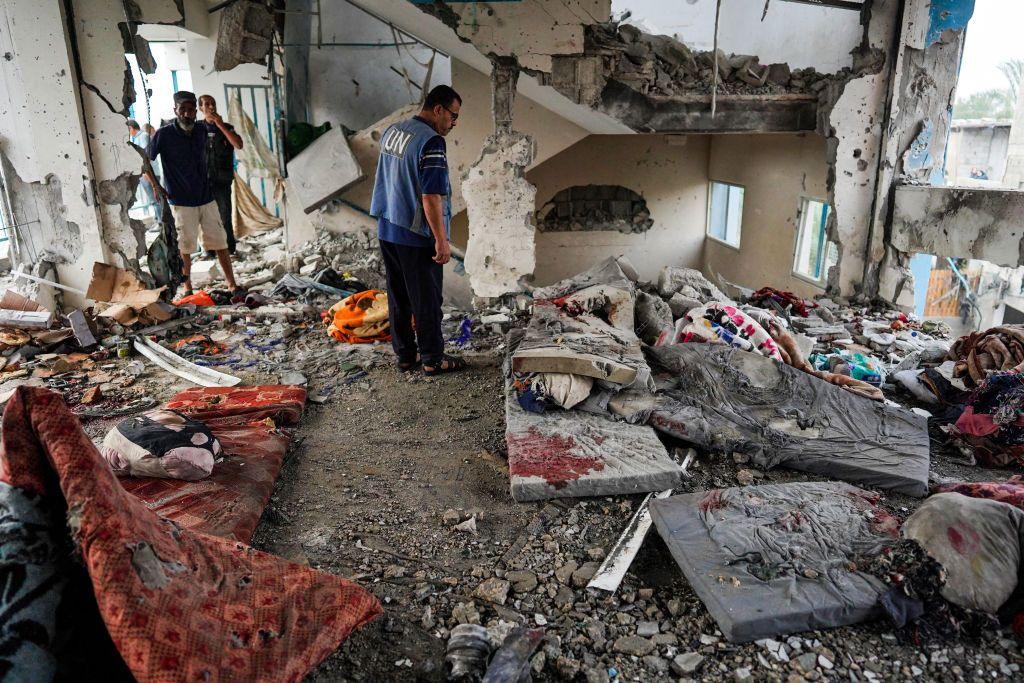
{"x": 414, "y": 290}
{"x": 222, "y": 195}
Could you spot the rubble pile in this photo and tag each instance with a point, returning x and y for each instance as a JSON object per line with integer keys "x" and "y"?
{"x": 708, "y": 398}
{"x": 662, "y": 65}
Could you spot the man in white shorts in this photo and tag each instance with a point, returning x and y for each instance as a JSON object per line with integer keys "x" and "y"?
{"x": 181, "y": 146}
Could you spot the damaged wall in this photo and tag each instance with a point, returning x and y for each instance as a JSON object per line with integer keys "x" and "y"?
{"x": 985, "y": 224}
{"x": 930, "y": 44}
{"x": 500, "y": 202}
{"x": 531, "y": 30}
{"x": 853, "y": 126}
{"x": 671, "y": 177}
{"x": 44, "y": 142}
{"x": 107, "y": 92}
{"x": 777, "y": 172}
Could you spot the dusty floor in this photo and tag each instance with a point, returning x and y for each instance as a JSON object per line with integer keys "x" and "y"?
{"x": 383, "y": 471}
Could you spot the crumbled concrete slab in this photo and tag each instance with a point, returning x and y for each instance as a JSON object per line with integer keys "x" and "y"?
{"x": 324, "y": 171}
{"x": 582, "y": 344}
{"x": 960, "y": 222}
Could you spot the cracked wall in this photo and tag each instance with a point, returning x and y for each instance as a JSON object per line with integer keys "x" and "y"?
{"x": 533, "y": 31}
{"x": 500, "y": 202}
{"x": 62, "y": 126}
{"x": 914, "y": 141}
{"x": 107, "y": 93}
{"x": 852, "y": 120}
{"x": 982, "y": 223}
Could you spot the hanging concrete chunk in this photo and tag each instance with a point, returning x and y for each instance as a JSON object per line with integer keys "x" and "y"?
{"x": 776, "y": 559}
{"x": 730, "y": 401}
{"x": 324, "y": 171}
{"x": 583, "y": 344}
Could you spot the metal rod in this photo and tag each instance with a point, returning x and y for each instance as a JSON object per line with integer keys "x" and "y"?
{"x": 319, "y": 26}
{"x": 714, "y": 82}
{"x": 368, "y": 45}
{"x": 44, "y": 281}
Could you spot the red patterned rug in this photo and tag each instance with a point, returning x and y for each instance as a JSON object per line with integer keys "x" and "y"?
{"x": 179, "y": 605}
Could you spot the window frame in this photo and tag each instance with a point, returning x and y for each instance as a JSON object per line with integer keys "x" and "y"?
{"x": 707, "y": 223}
{"x": 823, "y": 247}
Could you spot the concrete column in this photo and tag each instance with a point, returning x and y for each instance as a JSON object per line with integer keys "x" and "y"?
{"x": 914, "y": 139}
{"x": 500, "y": 203}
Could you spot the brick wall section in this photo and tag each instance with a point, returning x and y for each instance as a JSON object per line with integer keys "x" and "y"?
{"x": 595, "y": 207}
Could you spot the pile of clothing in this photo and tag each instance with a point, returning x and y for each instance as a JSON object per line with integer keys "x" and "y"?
{"x": 979, "y": 353}
{"x": 991, "y": 421}
{"x": 361, "y": 318}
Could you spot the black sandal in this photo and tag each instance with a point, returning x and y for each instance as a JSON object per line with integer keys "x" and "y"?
{"x": 447, "y": 364}
{"x": 408, "y": 366}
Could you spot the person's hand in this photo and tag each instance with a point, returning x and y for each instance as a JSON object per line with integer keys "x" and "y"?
{"x": 215, "y": 119}
{"x": 158, "y": 191}
{"x": 442, "y": 252}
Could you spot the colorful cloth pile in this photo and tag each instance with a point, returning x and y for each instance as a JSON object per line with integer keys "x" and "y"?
{"x": 1010, "y": 491}
{"x": 361, "y": 318}
{"x": 979, "y": 353}
{"x": 178, "y": 605}
{"x": 800, "y": 306}
{"x": 992, "y": 422}
{"x": 855, "y": 365}
{"x": 198, "y": 345}
{"x": 723, "y": 323}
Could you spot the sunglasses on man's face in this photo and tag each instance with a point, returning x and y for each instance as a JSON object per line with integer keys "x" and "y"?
{"x": 455, "y": 114}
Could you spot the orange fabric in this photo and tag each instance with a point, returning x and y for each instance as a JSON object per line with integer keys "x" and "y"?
{"x": 361, "y": 318}
{"x": 200, "y": 298}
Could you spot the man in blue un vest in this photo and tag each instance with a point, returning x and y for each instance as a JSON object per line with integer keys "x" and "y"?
{"x": 412, "y": 205}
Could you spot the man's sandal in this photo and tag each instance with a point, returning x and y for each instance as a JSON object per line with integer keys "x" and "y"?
{"x": 408, "y": 366}
{"x": 447, "y": 364}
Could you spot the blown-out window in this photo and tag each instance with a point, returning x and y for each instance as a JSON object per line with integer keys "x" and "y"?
{"x": 814, "y": 253}
{"x": 725, "y": 213}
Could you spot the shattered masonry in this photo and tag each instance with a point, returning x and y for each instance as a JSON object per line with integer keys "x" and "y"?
{"x": 499, "y": 201}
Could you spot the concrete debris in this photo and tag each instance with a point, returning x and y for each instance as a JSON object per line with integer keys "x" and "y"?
{"x": 690, "y": 284}
{"x": 324, "y": 171}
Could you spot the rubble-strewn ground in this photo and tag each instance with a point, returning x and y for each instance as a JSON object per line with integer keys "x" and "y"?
{"x": 386, "y": 470}
{"x": 383, "y": 472}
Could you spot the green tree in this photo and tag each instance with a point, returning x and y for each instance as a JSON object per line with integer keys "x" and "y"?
{"x": 988, "y": 104}
{"x": 1013, "y": 71}
{"x": 997, "y": 103}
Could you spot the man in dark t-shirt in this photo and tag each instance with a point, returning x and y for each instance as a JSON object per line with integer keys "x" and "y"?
{"x": 181, "y": 148}
{"x": 220, "y": 158}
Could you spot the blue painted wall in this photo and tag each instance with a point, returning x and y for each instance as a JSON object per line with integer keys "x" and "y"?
{"x": 948, "y": 14}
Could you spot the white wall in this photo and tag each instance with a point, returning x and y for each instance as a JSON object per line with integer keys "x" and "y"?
{"x": 797, "y": 34}
{"x": 981, "y": 147}
{"x": 356, "y": 86}
{"x": 42, "y": 135}
{"x": 671, "y": 178}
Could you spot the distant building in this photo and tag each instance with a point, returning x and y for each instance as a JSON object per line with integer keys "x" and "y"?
{"x": 977, "y": 152}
